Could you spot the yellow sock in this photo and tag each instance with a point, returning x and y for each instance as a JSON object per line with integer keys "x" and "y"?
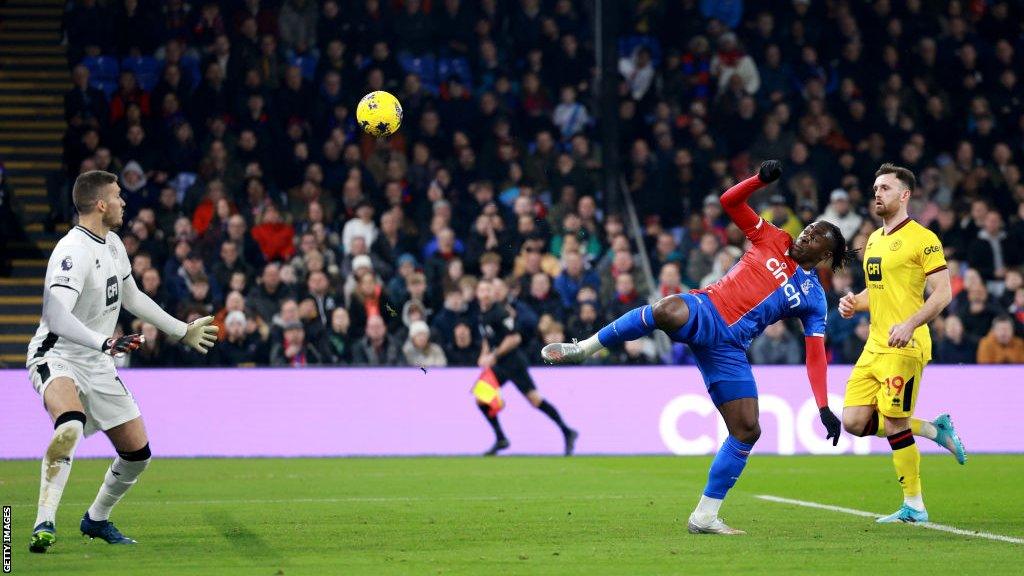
{"x": 907, "y": 460}
{"x": 918, "y": 427}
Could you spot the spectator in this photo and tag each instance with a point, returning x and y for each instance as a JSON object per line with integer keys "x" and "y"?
{"x": 377, "y": 348}
{"x": 270, "y": 292}
{"x": 362, "y": 225}
{"x": 298, "y": 22}
{"x": 274, "y": 236}
{"x": 731, "y": 61}
{"x": 573, "y": 277}
{"x": 840, "y": 213}
{"x": 1000, "y": 346}
{"x": 84, "y": 105}
{"x": 419, "y": 350}
{"x": 542, "y": 298}
{"x": 238, "y": 347}
{"x": 462, "y": 350}
{"x": 293, "y": 350}
{"x": 153, "y": 352}
{"x": 338, "y": 339}
{"x": 638, "y": 71}
{"x": 979, "y": 312}
{"x": 956, "y": 347}
{"x": 775, "y": 346}
{"x": 993, "y": 251}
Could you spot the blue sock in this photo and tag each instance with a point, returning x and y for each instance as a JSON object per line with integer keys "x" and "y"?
{"x": 726, "y": 467}
{"x": 630, "y": 326}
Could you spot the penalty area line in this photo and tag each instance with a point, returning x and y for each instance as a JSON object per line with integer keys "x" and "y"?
{"x": 928, "y": 525}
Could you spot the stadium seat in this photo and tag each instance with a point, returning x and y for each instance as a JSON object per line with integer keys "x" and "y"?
{"x": 102, "y": 68}
{"x": 146, "y": 69}
{"x": 424, "y": 66}
{"x": 458, "y": 67}
{"x": 630, "y": 43}
{"x": 307, "y": 63}
{"x": 190, "y": 69}
{"x": 107, "y": 86}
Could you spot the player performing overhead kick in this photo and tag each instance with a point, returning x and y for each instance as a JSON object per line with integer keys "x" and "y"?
{"x": 775, "y": 279}
{"x": 70, "y": 359}
{"x": 900, "y": 258}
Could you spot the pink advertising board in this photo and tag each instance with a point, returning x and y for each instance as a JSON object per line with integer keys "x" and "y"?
{"x": 405, "y": 412}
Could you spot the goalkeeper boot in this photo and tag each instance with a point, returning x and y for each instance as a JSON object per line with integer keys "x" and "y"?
{"x": 948, "y": 438}
{"x": 905, "y": 514}
{"x": 104, "y": 530}
{"x": 43, "y": 536}
{"x": 714, "y": 525}
{"x": 499, "y": 445}
{"x": 563, "y": 353}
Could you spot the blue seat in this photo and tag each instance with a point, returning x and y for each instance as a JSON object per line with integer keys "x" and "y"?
{"x": 102, "y": 68}
{"x": 458, "y": 67}
{"x": 146, "y": 69}
{"x": 423, "y": 66}
{"x": 307, "y": 63}
{"x": 107, "y": 86}
{"x": 190, "y": 69}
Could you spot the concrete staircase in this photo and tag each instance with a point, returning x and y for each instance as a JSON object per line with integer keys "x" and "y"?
{"x": 33, "y": 78}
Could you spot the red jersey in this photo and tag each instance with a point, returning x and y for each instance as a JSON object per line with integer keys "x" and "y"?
{"x": 760, "y": 272}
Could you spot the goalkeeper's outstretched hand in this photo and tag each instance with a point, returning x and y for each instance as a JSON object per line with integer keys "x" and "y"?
{"x": 832, "y": 425}
{"x": 200, "y": 335}
{"x": 123, "y": 345}
{"x": 770, "y": 171}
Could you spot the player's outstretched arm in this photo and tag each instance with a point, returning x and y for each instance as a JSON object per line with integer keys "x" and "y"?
{"x": 199, "y": 335}
{"x": 734, "y": 201}
{"x": 817, "y": 374}
{"x": 138, "y": 303}
{"x": 58, "y": 302}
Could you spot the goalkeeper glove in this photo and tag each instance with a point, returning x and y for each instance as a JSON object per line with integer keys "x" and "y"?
{"x": 770, "y": 171}
{"x": 200, "y": 335}
{"x": 123, "y": 345}
{"x": 832, "y": 425}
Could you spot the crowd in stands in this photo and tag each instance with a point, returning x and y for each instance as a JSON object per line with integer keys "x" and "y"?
{"x": 252, "y": 195}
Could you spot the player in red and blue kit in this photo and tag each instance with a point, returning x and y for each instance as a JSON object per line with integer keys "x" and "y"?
{"x": 775, "y": 279}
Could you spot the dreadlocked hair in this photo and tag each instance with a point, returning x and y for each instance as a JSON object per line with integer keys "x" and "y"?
{"x": 842, "y": 253}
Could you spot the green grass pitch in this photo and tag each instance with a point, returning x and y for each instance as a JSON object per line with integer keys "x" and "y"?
{"x": 589, "y": 515}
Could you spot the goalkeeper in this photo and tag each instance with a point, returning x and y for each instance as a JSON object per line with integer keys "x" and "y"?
{"x": 71, "y": 358}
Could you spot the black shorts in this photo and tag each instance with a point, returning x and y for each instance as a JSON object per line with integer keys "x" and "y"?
{"x": 518, "y": 374}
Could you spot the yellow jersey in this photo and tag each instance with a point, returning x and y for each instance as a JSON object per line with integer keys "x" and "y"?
{"x": 895, "y": 267}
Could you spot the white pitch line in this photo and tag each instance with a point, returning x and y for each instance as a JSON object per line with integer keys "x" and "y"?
{"x": 929, "y": 525}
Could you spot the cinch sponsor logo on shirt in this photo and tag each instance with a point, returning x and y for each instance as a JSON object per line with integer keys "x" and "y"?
{"x": 778, "y": 270}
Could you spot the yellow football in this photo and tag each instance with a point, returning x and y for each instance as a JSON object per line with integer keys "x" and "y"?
{"x": 379, "y": 114}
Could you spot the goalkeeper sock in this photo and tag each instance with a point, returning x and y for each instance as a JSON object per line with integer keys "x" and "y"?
{"x": 907, "y": 460}
{"x": 68, "y": 430}
{"x": 120, "y": 477}
{"x": 493, "y": 421}
{"x": 552, "y": 413}
{"x": 918, "y": 427}
{"x": 634, "y": 324}
{"x": 727, "y": 467}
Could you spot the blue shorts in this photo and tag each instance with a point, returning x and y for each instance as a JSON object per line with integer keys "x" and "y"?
{"x": 721, "y": 357}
